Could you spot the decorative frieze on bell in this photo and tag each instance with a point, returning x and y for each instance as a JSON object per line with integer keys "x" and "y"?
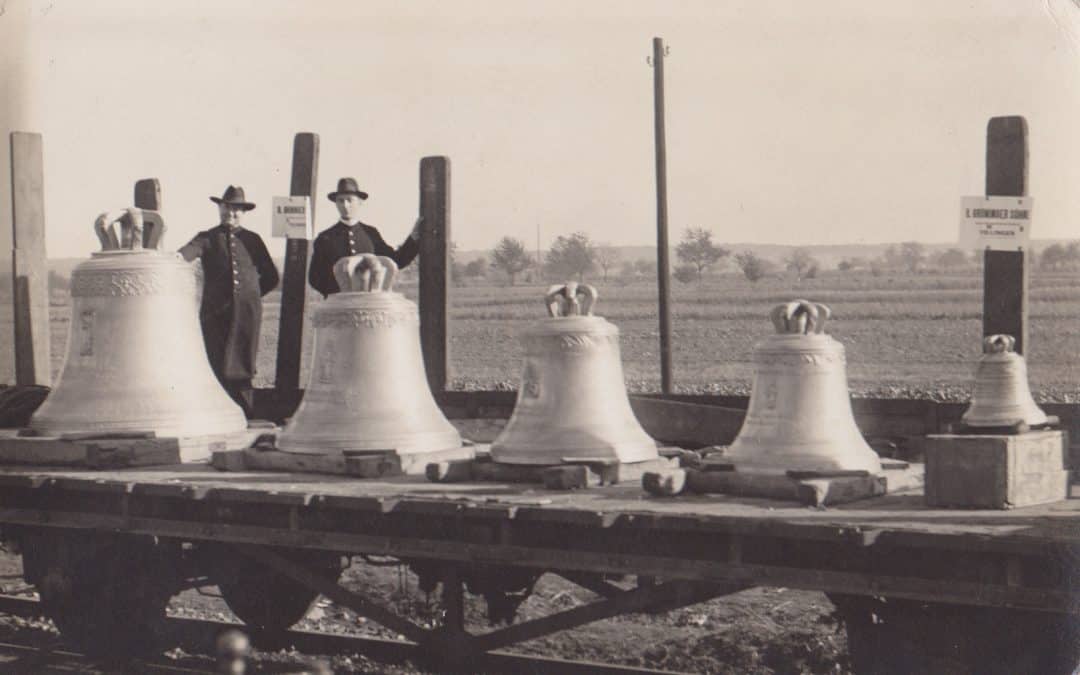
{"x": 572, "y": 403}
{"x": 800, "y": 417}
{"x": 1002, "y": 397}
{"x": 135, "y": 358}
{"x": 367, "y": 389}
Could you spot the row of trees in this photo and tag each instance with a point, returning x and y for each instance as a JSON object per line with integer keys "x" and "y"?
{"x": 576, "y": 255}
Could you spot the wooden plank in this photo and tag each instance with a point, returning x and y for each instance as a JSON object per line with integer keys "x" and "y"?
{"x": 90, "y": 453}
{"x": 30, "y": 275}
{"x": 435, "y": 269}
{"x": 305, "y": 171}
{"x": 1005, "y": 273}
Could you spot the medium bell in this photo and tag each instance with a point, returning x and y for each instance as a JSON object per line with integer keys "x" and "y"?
{"x": 367, "y": 390}
{"x": 135, "y": 356}
{"x": 1002, "y": 397}
{"x": 572, "y": 402}
{"x": 800, "y": 418}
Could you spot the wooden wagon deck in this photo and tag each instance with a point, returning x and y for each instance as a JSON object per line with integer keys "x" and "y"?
{"x": 892, "y": 545}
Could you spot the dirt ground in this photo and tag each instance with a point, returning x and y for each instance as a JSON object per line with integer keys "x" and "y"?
{"x": 762, "y": 631}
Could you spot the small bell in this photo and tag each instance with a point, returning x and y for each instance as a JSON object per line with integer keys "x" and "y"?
{"x": 367, "y": 390}
{"x": 135, "y": 356}
{"x": 572, "y": 402}
{"x": 799, "y": 417}
{"x": 1002, "y": 397}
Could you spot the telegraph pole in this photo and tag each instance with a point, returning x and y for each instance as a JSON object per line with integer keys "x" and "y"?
{"x": 662, "y": 267}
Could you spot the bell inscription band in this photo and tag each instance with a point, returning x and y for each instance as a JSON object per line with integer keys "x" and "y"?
{"x": 799, "y": 417}
{"x": 367, "y": 390}
{"x": 135, "y": 357}
{"x": 1002, "y": 397}
{"x": 572, "y": 402}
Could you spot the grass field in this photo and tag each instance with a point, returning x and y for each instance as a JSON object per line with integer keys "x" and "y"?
{"x": 905, "y": 336}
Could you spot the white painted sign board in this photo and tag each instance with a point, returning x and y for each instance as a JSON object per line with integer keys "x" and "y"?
{"x": 292, "y": 217}
{"x": 995, "y": 223}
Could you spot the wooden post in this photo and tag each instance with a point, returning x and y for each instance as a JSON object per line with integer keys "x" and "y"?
{"x": 435, "y": 269}
{"x": 148, "y": 196}
{"x": 30, "y": 270}
{"x": 663, "y": 271}
{"x": 1005, "y": 273}
{"x": 305, "y": 170}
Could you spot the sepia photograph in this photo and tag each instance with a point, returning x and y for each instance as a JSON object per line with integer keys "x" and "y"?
{"x": 613, "y": 337}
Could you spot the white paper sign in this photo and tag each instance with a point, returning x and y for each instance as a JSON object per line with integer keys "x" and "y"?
{"x": 995, "y": 223}
{"x": 292, "y": 217}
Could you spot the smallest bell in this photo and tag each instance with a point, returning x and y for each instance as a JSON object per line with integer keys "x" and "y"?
{"x": 1002, "y": 397}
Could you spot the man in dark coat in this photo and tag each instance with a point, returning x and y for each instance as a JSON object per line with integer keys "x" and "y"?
{"x": 237, "y": 272}
{"x": 351, "y": 237}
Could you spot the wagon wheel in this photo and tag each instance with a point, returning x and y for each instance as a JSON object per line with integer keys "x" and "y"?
{"x": 887, "y": 636}
{"x": 107, "y": 595}
{"x": 267, "y": 602}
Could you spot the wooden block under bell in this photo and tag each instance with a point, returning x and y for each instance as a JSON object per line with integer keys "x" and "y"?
{"x": 995, "y": 471}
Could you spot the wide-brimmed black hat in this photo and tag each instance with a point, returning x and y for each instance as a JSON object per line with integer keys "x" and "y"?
{"x": 347, "y": 186}
{"x": 234, "y": 195}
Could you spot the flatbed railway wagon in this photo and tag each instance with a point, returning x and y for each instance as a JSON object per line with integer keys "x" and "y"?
{"x": 920, "y": 589}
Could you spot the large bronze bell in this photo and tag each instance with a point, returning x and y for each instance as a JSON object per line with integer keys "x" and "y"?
{"x": 800, "y": 418}
{"x": 367, "y": 390}
{"x": 572, "y": 402}
{"x": 135, "y": 356}
{"x": 1002, "y": 397}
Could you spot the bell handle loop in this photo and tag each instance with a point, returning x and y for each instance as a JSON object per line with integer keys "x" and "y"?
{"x": 365, "y": 273}
{"x": 391, "y": 268}
{"x": 131, "y": 229}
{"x": 154, "y": 228}
{"x": 824, "y": 314}
{"x": 999, "y": 343}
{"x": 589, "y": 296}
{"x": 106, "y": 233}
{"x": 554, "y": 300}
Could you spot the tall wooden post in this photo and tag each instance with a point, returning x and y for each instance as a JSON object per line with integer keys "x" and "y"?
{"x": 435, "y": 269}
{"x": 663, "y": 272}
{"x": 305, "y": 170}
{"x": 1005, "y": 273}
{"x": 148, "y": 196}
{"x": 30, "y": 270}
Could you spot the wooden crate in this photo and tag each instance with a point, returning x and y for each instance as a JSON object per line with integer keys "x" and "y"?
{"x": 995, "y": 471}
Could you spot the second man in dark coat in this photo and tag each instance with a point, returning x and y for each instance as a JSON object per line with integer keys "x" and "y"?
{"x": 350, "y": 237}
{"x": 237, "y": 272}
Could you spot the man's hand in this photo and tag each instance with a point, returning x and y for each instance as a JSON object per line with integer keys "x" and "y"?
{"x": 415, "y": 234}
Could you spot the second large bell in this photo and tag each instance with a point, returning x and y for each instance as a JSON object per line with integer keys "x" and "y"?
{"x": 367, "y": 390}
{"x": 800, "y": 417}
{"x": 572, "y": 402}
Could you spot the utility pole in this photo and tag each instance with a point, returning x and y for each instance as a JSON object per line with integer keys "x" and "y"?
{"x": 663, "y": 275}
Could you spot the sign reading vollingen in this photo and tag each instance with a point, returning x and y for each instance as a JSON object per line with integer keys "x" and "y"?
{"x": 995, "y": 223}
{"x": 292, "y": 217}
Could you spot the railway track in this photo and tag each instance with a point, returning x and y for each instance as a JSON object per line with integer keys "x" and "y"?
{"x": 196, "y": 636}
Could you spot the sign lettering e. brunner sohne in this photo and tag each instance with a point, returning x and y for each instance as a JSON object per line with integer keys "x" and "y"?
{"x": 292, "y": 217}
{"x": 995, "y": 223}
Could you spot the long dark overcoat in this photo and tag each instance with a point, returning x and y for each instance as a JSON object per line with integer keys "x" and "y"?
{"x": 341, "y": 240}
{"x": 237, "y": 272}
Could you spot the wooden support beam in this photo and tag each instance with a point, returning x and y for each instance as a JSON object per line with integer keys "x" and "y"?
{"x": 1005, "y": 273}
{"x": 435, "y": 269}
{"x": 30, "y": 269}
{"x": 346, "y": 598}
{"x": 305, "y": 171}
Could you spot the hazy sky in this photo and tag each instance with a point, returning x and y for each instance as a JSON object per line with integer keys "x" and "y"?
{"x": 788, "y": 122}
